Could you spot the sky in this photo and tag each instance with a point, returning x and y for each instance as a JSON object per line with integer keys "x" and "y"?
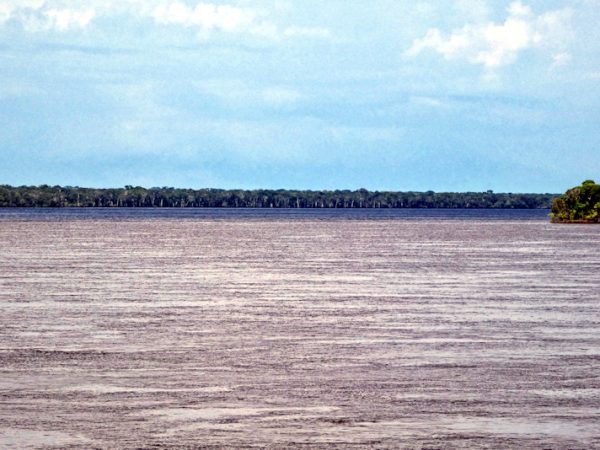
{"x": 456, "y": 95}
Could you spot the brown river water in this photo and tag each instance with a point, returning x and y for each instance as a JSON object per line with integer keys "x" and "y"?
{"x": 440, "y": 330}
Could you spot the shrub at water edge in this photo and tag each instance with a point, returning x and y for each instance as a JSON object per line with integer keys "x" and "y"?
{"x": 580, "y": 204}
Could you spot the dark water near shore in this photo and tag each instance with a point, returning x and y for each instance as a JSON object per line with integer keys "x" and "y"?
{"x": 268, "y": 214}
{"x": 127, "y": 328}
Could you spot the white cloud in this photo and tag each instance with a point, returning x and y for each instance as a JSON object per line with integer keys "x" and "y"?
{"x": 64, "y": 19}
{"x": 561, "y": 59}
{"x": 42, "y": 15}
{"x": 494, "y": 45}
{"x": 229, "y": 18}
{"x": 205, "y": 17}
{"x": 8, "y": 9}
{"x": 519, "y": 9}
{"x": 5, "y": 13}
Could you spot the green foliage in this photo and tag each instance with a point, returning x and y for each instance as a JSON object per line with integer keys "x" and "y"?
{"x": 580, "y": 204}
{"x": 169, "y": 197}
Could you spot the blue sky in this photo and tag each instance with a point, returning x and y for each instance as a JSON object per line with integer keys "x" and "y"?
{"x": 396, "y": 95}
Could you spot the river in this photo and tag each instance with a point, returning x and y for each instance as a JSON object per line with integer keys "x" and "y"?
{"x": 285, "y": 329}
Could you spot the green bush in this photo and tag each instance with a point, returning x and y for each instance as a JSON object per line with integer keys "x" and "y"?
{"x": 580, "y": 204}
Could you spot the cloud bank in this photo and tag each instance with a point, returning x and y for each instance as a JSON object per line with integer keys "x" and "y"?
{"x": 62, "y": 15}
{"x": 495, "y": 45}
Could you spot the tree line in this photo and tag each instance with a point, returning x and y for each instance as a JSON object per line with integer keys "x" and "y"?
{"x": 169, "y": 197}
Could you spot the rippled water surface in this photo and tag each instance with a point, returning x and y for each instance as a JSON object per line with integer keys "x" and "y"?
{"x": 228, "y": 328}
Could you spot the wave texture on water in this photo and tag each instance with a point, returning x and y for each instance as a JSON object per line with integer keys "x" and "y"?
{"x": 163, "y": 330}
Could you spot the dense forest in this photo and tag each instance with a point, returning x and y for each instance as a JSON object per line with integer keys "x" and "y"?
{"x": 157, "y": 197}
{"x": 580, "y": 204}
